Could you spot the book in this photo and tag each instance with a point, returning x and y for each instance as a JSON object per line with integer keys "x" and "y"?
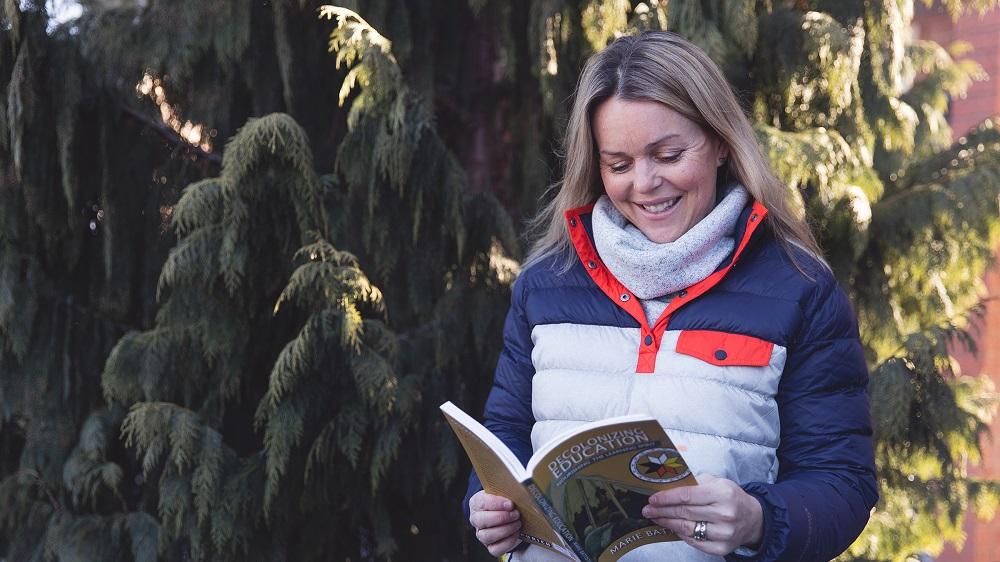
{"x": 582, "y": 493}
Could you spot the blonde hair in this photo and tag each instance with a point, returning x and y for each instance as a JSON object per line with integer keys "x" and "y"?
{"x": 666, "y": 68}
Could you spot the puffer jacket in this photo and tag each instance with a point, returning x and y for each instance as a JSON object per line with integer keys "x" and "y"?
{"x": 757, "y": 373}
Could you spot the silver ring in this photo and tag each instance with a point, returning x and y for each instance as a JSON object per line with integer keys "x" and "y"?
{"x": 700, "y": 531}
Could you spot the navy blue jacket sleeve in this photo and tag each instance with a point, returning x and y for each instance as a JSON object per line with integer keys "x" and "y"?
{"x": 826, "y": 487}
{"x": 508, "y": 406}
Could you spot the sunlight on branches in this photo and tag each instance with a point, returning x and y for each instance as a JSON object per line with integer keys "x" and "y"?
{"x": 193, "y": 133}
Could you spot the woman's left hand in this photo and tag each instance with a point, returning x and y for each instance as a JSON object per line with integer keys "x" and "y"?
{"x": 733, "y": 517}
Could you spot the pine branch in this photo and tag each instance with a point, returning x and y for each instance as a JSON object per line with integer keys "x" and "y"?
{"x": 171, "y": 136}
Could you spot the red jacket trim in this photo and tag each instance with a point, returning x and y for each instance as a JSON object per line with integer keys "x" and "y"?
{"x": 725, "y": 349}
{"x": 649, "y": 337}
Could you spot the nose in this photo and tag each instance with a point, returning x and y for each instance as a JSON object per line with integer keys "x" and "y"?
{"x": 645, "y": 179}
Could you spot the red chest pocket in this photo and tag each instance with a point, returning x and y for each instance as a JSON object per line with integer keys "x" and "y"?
{"x": 725, "y": 349}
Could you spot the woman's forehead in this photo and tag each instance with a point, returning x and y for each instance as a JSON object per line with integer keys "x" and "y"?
{"x": 625, "y": 124}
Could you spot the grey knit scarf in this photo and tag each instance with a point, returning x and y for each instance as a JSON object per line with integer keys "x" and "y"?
{"x": 651, "y": 270}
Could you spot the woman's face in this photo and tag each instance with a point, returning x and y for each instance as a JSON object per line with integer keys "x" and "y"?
{"x": 658, "y": 167}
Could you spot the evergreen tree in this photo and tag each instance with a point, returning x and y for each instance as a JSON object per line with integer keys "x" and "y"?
{"x": 236, "y": 352}
{"x": 260, "y": 383}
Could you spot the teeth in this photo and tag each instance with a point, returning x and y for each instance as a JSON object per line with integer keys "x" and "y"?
{"x": 660, "y": 207}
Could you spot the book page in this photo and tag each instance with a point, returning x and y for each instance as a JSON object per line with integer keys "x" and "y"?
{"x": 491, "y": 460}
{"x": 599, "y": 477}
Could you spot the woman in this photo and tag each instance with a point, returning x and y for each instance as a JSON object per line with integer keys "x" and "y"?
{"x": 672, "y": 278}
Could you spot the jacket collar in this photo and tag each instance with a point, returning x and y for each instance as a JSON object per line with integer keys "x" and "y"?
{"x": 746, "y": 229}
{"x": 581, "y": 235}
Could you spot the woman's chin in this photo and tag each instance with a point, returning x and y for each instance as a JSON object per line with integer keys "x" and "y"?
{"x": 662, "y": 227}
{"x": 661, "y": 234}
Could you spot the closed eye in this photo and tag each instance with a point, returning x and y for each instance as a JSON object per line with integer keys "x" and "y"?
{"x": 669, "y": 158}
{"x": 618, "y": 167}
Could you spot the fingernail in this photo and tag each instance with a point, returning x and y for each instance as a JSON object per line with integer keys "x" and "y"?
{"x": 515, "y": 514}
{"x": 646, "y": 511}
{"x": 508, "y": 505}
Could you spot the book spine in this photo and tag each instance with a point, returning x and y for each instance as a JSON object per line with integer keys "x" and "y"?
{"x": 556, "y": 521}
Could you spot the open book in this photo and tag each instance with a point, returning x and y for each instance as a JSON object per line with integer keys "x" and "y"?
{"x": 582, "y": 493}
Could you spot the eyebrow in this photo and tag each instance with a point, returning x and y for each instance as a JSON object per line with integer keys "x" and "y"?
{"x": 660, "y": 140}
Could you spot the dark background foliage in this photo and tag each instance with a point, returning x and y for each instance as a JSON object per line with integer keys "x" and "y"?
{"x": 246, "y": 249}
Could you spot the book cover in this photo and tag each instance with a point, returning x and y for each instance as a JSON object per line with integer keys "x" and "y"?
{"x": 599, "y": 478}
{"x": 582, "y": 493}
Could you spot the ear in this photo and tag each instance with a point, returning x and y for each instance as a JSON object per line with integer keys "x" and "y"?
{"x": 723, "y": 153}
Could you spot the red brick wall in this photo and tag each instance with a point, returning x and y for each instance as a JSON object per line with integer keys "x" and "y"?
{"x": 983, "y": 100}
{"x": 983, "y": 538}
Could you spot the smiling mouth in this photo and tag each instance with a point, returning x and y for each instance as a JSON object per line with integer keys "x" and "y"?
{"x": 662, "y": 207}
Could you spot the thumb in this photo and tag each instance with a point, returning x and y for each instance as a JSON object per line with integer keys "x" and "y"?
{"x": 705, "y": 478}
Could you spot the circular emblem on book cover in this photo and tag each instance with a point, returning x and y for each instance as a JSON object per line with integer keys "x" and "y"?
{"x": 659, "y": 465}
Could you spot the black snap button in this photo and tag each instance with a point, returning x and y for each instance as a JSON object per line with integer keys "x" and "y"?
{"x": 624, "y": 297}
{"x": 720, "y": 354}
{"x": 753, "y": 217}
{"x": 649, "y": 340}
{"x": 572, "y": 222}
{"x": 683, "y": 293}
{"x": 591, "y": 264}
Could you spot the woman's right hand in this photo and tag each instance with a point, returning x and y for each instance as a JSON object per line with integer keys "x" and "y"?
{"x": 496, "y": 522}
